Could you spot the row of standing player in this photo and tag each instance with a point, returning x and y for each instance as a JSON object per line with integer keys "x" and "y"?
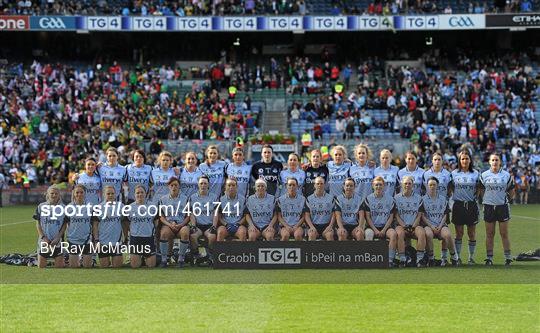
{"x": 463, "y": 182}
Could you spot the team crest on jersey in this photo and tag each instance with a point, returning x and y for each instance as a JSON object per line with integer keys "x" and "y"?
{"x": 261, "y": 170}
{"x": 308, "y": 174}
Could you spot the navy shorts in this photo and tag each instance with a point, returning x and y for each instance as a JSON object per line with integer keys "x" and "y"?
{"x": 109, "y": 250}
{"x": 499, "y": 213}
{"x": 465, "y": 213}
{"x": 142, "y": 246}
{"x": 47, "y": 252}
{"x": 204, "y": 227}
{"x": 320, "y": 228}
{"x": 232, "y": 228}
{"x": 350, "y": 227}
{"x": 78, "y": 249}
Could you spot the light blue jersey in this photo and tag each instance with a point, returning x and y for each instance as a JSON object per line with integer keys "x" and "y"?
{"x": 112, "y": 176}
{"x": 92, "y": 185}
{"x": 216, "y": 174}
{"x": 435, "y": 208}
{"x": 79, "y": 227}
{"x": 138, "y": 176}
{"x": 189, "y": 181}
{"x": 173, "y": 208}
{"x": 444, "y": 177}
{"x": 363, "y": 177}
{"x": 465, "y": 185}
{"x": 232, "y": 209}
{"x": 140, "y": 225}
{"x": 160, "y": 179}
{"x": 261, "y": 210}
{"x": 321, "y": 208}
{"x": 299, "y": 175}
{"x": 292, "y": 209}
{"x": 337, "y": 176}
{"x": 50, "y": 227}
{"x": 496, "y": 186}
{"x": 349, "y": 208}
{"x": 242, "y": 174}
{"x": 207, "y": 206}
{"x": 110, "y": 227}
{"x": 380, "y": 209}
{"x": 408, "y": 208}
{"x": 417, "y": 174}
{"x": 390, "y": 177}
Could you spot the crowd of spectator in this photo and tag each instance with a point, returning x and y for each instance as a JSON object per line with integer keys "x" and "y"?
{"x": 54, "y": 115}
{"x": 154, "y": 7}
{"x": 251, "y": 7}
{"x": 487, "y": 102}
{"x": 412, "y": 7}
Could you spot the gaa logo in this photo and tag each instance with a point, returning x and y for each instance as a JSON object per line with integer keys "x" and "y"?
{"x": 51, "y": 23}
{"x": 461, "y": 21}
{"x": 272, "y": 256}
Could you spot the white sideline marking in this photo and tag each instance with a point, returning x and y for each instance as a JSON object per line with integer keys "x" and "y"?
{"x": 14, "y": 223}
{"x": 526, "y": 217}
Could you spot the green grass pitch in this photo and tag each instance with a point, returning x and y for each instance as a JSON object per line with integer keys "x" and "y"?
{"x": 478, "y": 298}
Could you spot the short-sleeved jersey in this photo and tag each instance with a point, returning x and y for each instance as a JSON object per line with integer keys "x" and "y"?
{"x": 311, "y": 174}
{"x": 242, "y": 174}
{"x": 321, "y": 208}
{"x": 417, "y": 174}
{"x": 337, "y": 176}
{"x": 110, "y": 225}
{"x": 292, "y": 209}
{"x": 92, "y": 185}
{"x": 435, "y": 208}
{"x": 138, "y": 176}
{"x": 51, "y": 227}
{"x": 465, "y": 185}
{"x": 112, "y": 176}
{"x": 444, "y": 177}
{"x": 261, "y": 210}
{"x": 216, "y": 174}
{"x": 390, "y": 177}
{"x": 299, "y": 175}
{"x": 349, "y": 208}
{"x": 173, "y": 208}
{"x": 206, "y": 204}
{"x": 79, "y": 227}
{"x": 189, "y": 181}
{"x": 380, "y": 209}
{"x": 160, "y": 178}
{"x": 232, "y": 209}
{"x": 496, "y": 186}
{"x": 269, "y": 172}
{"x": 408, "y": 208}
{"x": 140, "y": 225}
{"x": 363, "y": 177}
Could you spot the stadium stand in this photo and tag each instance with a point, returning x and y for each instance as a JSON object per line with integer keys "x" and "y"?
{"x": 104, "y": 107}
{"x": 252, "y": 7}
